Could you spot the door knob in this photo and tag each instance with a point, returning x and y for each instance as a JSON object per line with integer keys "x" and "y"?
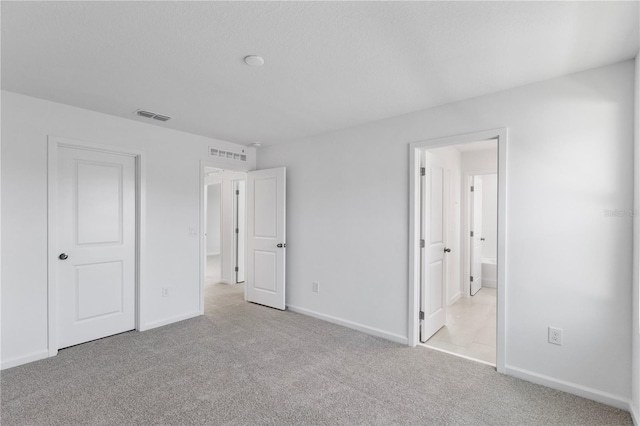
{"x": 63, "y": 256}
{"x": 447, "y": 250}
{"x": 281, "y": 245}
{"x": 482, "y": 239}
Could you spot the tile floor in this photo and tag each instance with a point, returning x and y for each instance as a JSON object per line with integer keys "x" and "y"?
{"x": 470, "y": 328}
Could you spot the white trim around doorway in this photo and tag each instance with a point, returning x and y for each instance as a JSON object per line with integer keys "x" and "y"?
{"x": 54, "y": 143}
{"x": 500, "y": 135}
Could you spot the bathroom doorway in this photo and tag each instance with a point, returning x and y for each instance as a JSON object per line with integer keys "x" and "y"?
{"x": 460, "y": 234}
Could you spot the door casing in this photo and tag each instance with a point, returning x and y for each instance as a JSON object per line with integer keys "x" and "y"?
{"x": 54, "y": 143}
{"x": 413, "y": 322}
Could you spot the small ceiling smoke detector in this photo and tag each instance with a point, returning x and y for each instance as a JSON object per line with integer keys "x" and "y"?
{"x": 256, "y": 144}
{"x": 254, "y": 61}
{"x": 153, "y": 115}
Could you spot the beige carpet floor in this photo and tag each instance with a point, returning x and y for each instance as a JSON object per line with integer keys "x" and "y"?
{"x": 244, "y": 364}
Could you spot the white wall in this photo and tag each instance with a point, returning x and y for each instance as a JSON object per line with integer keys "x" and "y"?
{"x": 490, "y": 216}
{"x": 172, "y": 175}
{"x": 635, "y": 400}
{"x": 450, "y": 159}
{"x": 480, "y": 161}
{"x": 213, "y": 219}
{"x": 570, "y": 158}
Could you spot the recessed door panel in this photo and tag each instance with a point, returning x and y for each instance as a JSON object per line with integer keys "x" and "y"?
{"x": 99, "y": 203}
{"x": 265, "y": 270}
{"x": 265, "y": 198}
{"x": 99, "y": 290}
{"x": 436, "y": 273}
{"x": 436, "y": 205}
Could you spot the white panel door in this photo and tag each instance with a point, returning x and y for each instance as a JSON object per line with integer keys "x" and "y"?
{"x": 476, "y": 239}
{"x": 96, "y": 241}
{"x": 433, "y": 265}
{"x": 241, "y": 229}
{"x": 266, "y": 237}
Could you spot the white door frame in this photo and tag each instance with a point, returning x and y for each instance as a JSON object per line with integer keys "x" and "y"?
{"x": 203, "y": 218}
{"x": 500, "y": 135}
{"x": 54, "y": 143}
{"x": 466, "y": 227}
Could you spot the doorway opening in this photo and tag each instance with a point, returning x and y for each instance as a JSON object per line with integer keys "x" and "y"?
{"x": 459, "y": 226}
{"x": 225, "y": 230}
{"x": 458, "y": 246}
{"x": 252, "y": 235}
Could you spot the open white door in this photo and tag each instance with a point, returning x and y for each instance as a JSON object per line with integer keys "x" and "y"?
{"x": 240, "y": 224}
{"x": 266, "y": 242}
{"x": 476, "y": 235}
{"x": 433, "y": 271}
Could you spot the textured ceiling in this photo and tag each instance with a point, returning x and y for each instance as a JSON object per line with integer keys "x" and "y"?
{"x": 329, "y": 65}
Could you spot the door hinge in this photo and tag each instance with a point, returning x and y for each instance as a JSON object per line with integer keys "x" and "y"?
{"x": 423, "y": 171}
{"x": 472, "y": 233}
{"x": 421, "y": 243}
{"x": 237, "y": 192}
{"x": 472, "y": 189}
{"x": 237, "y": 230}
{"x": 471, "y": 279}
{"x": 237, "y": 269}
{"x": 421, "y": 315}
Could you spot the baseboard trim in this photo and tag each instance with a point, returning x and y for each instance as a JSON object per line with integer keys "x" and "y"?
{"x": 572, "y": 388}
{"x": 455, "y": 298}
{"x": 635, "y": 415}
{"x": 349, "y": 324}
{"x": 489, "y": 283}
{"x": 35, "y": 356}
{"x": 168, "y": 321}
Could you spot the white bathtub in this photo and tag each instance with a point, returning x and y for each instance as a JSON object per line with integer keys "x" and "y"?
{"x": 489, "y": 273}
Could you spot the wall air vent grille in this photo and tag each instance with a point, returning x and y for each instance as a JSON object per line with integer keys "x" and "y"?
{"x": 145, "y": 114}
{"x": 153, "y": 115}
{"x": 215, "y": 152}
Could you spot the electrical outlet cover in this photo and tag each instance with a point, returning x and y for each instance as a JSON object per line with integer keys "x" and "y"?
{"x": 555, "y": 336}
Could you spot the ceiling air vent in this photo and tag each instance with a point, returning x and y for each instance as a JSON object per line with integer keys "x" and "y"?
{"x": 155, "y": 116}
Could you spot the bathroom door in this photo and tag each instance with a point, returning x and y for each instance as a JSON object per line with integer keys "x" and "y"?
{"x": 435, "y": 198}
{"x": 476, "y": 237}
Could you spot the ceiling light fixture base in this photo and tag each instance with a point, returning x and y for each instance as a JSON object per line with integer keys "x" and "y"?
{"x": 254, "y": 61}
